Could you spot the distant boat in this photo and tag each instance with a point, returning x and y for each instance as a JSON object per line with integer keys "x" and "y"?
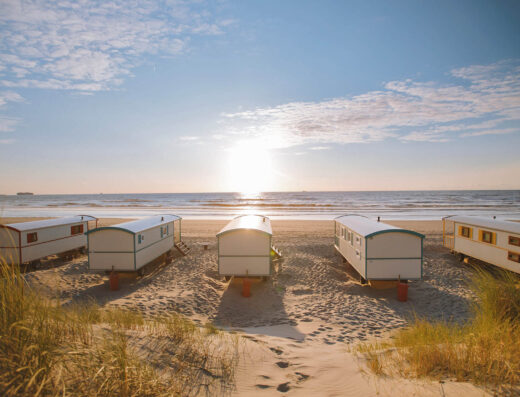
{"x": 25, "y": 194}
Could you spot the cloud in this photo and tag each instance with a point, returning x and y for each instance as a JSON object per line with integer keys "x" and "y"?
{"x": 7, "y": 124}
{"x": 483, "y": 98}
{"x": 9, "y": 96}
{"x": 320, "y": 148}
{"x": 92, "y": 45}
{"x": 491, "y": 132}
{"x": 6, "y": 141}
{"x": 189, "y": 138}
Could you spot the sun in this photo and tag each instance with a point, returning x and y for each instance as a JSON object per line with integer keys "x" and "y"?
{"x": 249, "y": 168}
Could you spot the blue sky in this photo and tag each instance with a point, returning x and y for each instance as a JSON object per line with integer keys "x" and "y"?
{"x": 189, "y": 96}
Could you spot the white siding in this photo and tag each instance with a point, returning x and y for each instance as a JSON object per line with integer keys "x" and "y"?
{"x": 495, "y": 254}
{"x": 389, "y": 254}
{"x": 394, "y": 245}
{"x": 244, "y": 251}
{"x": 51, "y": 240}
{"x": 9, "y": 248}
{"x": 241, "y": 266}
{"x": 113, "y": 248}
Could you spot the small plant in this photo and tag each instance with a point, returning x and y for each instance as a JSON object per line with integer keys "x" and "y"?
{"x": 47, "y": 349}
{"x": 484, "y": 350}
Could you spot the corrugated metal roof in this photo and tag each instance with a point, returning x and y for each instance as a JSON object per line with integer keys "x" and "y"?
{"x": 250, "y": 222}
{"x": 33, "y": 225}
{"x": 141, "y": 224}
{"x": 507, "y": 226}
{"x": 367, "y": 227}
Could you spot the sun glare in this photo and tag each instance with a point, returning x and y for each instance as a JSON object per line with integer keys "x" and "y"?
{"x": 249, "y": 168}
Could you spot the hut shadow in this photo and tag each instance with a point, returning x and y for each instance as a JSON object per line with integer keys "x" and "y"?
{"x": 129, "y": 283}
{"x": 437, "y": 300}
{"x": 264, "y": 307}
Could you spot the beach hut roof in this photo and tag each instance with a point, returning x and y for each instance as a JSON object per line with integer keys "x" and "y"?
{"x": 506, "y": 226}
{"x": 367, "y": 227}
{"x": 249, "y": 222}
{"x": 33, "y": 225}
{"x": 140, "y": 224}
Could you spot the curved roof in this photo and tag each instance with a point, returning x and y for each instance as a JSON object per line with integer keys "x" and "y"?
{"x": 140, "y": 224}
{"x": 248, "y": 222}
{"x": 507, "y": 226}
{"x": 367, "y": 227}
{"x": 33, "y": 225}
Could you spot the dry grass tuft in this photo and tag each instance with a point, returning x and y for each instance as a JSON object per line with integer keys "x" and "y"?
{"x": 48, "y": 350}
{"x": 485, "y": 350}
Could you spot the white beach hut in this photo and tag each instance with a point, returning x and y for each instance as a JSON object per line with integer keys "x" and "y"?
{"x": 29, "y": 241}
{"x": 244, "y": 247}
{"x": 131, "y": 245}
{"x": 489, "y": 240}
{"x": 379, "y": 251}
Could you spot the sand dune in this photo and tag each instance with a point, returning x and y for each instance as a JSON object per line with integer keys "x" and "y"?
{"x": 300, "y": 324}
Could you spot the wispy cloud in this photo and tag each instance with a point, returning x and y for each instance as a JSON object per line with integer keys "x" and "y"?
{"x": 6, "y": 141}
{"x": 484, "y": 98}
{"x": 320, "y": 148}
{"x": 93, "y": 45}
{"x": 190, "y": 138}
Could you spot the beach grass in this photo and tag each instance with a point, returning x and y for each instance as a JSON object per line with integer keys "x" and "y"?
{"x": 484, "y": 350}
{"x": 47, "y": 349}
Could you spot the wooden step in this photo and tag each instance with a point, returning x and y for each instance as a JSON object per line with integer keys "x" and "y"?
{"x": 276, "y": 251}
{"x": 182, "y": 248}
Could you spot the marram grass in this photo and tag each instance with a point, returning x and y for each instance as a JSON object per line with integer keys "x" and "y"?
{"x": 49, "y": 350}
{"x": 485, "y": 350}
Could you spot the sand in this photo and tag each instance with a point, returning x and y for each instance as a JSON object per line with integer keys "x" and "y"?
{"x": 299, "y": 326}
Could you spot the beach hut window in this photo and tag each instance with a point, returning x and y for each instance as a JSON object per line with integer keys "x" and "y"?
{"x": 167, "y": 230}
{"x": 337, "y": 229}
{"x": 358, "y": 254}
{"x": 77, "y": 229}
{"x": 487, "y": 237}
{"x": 139, "y": 238}
{"x": 358, "y": 240}
{"x": 514, "y": 241}
{"x": 465, "y": 231}
{"x": 513, "y": 256}
{"x": 32, "y": 237}
{"x": 351, "y": 238}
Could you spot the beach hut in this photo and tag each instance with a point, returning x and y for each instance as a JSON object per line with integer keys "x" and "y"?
{"x": 490, "y": 240}
{"x": 379, "y": 251}
{"x": 131, "y": 245}
{"x": 29, "y": 241}
{"x": 244, "y": 247}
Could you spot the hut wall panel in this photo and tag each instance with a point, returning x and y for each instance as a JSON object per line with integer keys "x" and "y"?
{"x": 33, "y": 252}
{"x": 152, "y": 252}
{"x": 349, "y": 253}
{"x": 10, "y": 255}
{"x": 117, "y": 260}
{"x": 392, "y": 269}
{"x": 240, "y": 266}
{"x": 8, "y": 237}
{"x": 394, "y": 245}
{"x": 111, "y": 240}
{"x": 244, "y": 242}
{"x": 495, "y": 254}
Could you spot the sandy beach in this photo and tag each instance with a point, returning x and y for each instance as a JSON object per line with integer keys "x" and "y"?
{"x": 299, "y": 327}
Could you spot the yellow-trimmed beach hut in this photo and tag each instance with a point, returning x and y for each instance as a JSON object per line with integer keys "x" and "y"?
{"x": 379, "y": 251}
{"x": 131, "y": 245}
{"x": 30, "y": 241}
{"x": 244, "y": 247}
{"x": 490, "y": 240}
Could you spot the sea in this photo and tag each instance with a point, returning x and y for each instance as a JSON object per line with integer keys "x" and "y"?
{"x": 391, "y": 205}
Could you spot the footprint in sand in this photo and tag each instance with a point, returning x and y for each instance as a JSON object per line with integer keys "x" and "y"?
{"x": 283, "y": 387}
{"x": 260, "y": 386}
{"x": 275, "y": 350}
{"x": 282, "y": 364}
{"x": 301, "y": 376}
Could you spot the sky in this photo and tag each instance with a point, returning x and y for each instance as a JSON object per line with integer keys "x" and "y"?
{"x": 134, "y": 96}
